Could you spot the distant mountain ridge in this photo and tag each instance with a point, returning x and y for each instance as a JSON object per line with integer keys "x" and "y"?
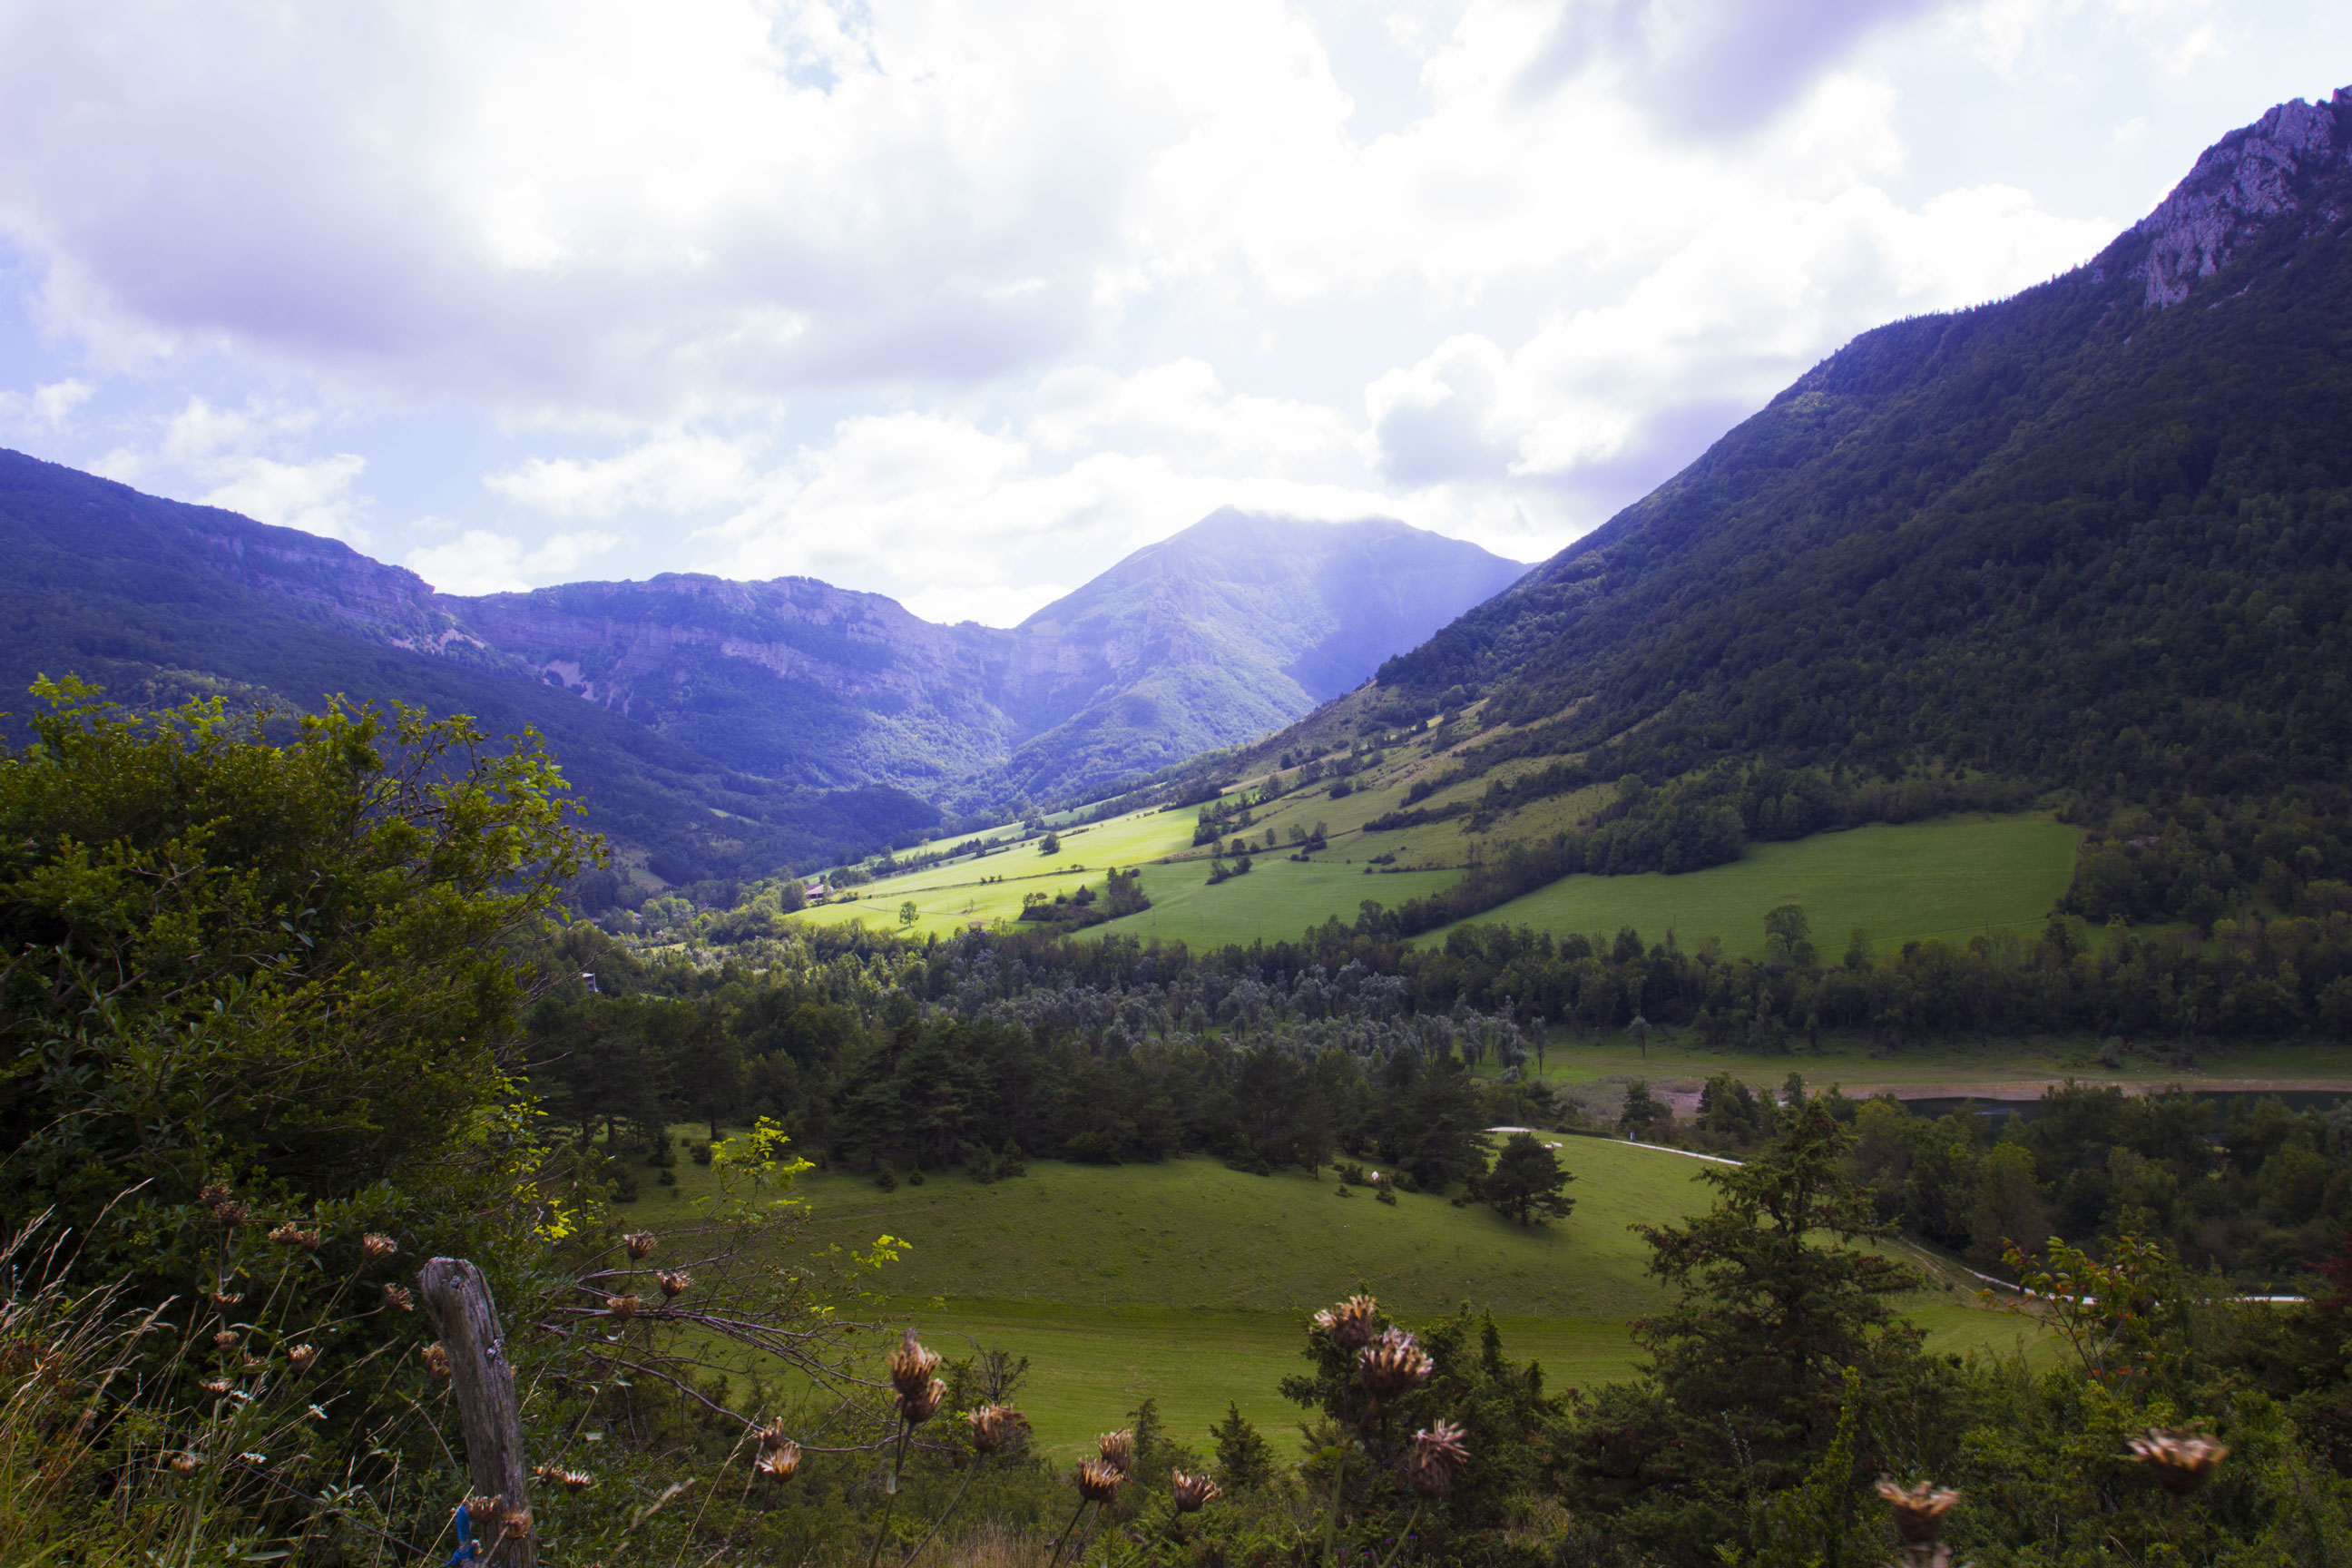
{"x": 726, "y": 726}
{"x": 1234, "y": 626}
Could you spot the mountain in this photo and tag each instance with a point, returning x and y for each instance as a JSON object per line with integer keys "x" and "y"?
{"x": 157, "y": 601}
{"x": 1236, "y": 626}
{"x": 2093, "y": 543}
{"x": 720, "y": 728}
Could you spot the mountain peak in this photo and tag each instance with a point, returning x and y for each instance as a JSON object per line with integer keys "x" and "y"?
{"x": 2241, "y": 185}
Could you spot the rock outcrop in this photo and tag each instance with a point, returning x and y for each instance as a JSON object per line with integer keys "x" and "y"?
{"x": 2244, "y": 184}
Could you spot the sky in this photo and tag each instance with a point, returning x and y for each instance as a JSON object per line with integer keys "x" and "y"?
{"x": 964, "y": 302}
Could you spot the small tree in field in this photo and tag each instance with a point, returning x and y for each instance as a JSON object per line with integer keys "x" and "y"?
{"x": 1527, "y": 1182}
{"x": 907, "y": 913}
{"x": 1052, "y": 845}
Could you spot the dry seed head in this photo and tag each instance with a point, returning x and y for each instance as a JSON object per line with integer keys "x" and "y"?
{"x": 1117, "y": 1448}
{"x": 1192, "y": 1492}
{"x": 1350, "y": 1323}
{"x": 573, "y": 1480}
{"x": 780, "y": 1464}
{"x": 1920, "y": 1509}
{"x": 219, "y": 1387}
{"x": 1098, "y": 1480}
{"x": 224, "y": 1341}
{"x": 2182, "y": 1462}
{"x": 186, "y": 1464}
{"x": 302, "y": 1357}
{"x": 484, "y": 1514}
{"x": 640, "y": 1244}
{"x": 911, "y": 1365}
{"x": 1392, "y": 1365}
{"x": 920, "y": 1407}
{"x": 398, "y": 1296}
{"x": 1438, "y": 1456}
{"x": 622, "y": 1306}
{"x": 224, "y": 1298}
{"x": 674, "y": 1281}
{"x": 375, "y": 1248}
{"x": 225, "y": 1210}
{"x": 293, "y": 1235}
{"x": 436, "y": 1361}
{"x": 996, "y": 1427}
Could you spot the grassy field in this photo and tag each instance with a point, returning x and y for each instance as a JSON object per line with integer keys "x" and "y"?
{"x": 1190, "y": 1283}
{"x": 1278, "y": 900}
{"x": 949, "y": 896}
{"x": 1949, "y": 878}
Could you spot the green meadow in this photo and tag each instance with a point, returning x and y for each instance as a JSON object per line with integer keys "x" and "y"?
{"x": 967, "y": 891}
{"x": 1189, "y": 1283}
{"x": 1276, "y": 901}
{"x": 1950, "y": 878}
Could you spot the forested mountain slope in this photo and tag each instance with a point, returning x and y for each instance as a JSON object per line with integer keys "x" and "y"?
{"x": 1233, "y": 627}
{"x": 157, "y": 600}
{"x": 2095, "y": 539}
{"x": 720, "y": 728}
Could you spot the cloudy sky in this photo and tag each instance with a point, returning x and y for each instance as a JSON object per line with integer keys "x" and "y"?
{"x": 961, "y": 303}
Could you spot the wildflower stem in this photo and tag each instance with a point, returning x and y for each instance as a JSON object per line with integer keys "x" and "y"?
{"x": 1331, "y": 1524}
{"x": 1071, "y": 1530}
{"x": 969, "y": 1476}
{"x": 897, "y": 1468}
{"x": 1403, "y": 1535}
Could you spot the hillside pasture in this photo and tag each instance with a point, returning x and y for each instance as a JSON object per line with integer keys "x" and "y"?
{"x": 1949, "y": 878}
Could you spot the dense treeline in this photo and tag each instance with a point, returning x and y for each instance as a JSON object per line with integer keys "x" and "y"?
{"x": 979, "y": 1049}
{"x": 2060, "y": 538}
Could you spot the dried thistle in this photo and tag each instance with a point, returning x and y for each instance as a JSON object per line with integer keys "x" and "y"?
{"x": 186, "y": 1464}
{"x": 398, "y": 1296}
{"x": 1350, "y": 1323}
{"x": 1919, "y": 1510}
{"x": 292, "y": 1234}
{"x": 921, "y": 1406}
{"x": 640, "y": 1244}
{"x": 574, "y": 1480}
{"x": 996, "y": 1427}
{"x": 375, "y": 1247}
{"x": 224, "y": 1298}
{"x": 224, "y": 1341}
{"x": 225, "y": 1210}
{"x": 770, "y": 1437}
{"x": 1438, "y": 1456}
{"x": 484, "y": 1514}
{"x": 1392, "y": 1364}
{"x": 781, "y": 1463}
{"x": 1118, "y": 1450}
{"x": 219, "y": 1387}
{"x": 2182, "y": 1462}
{"x": 623, "y": 1307}
{"x": 436, "y": 1361}
{"x": 674, "y": 1281}
{"x": 1191, "y": 1493}
{"x": 911, "y": 1365}
{"x": 302, "y": 1357}
{"x": 1099, "y": 1481}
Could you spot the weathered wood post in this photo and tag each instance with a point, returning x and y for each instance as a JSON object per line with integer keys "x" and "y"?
{"x": 489, "y": 1408}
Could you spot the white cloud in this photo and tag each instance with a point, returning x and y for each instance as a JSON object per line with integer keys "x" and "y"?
{"x": 482, "y": 562}
{"x": 676, "y": 474}
{"x": 963, "y": 302}
{"x": 315, "y": 496}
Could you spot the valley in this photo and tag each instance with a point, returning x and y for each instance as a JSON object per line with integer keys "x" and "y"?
{"x": 1188, "y": 1283}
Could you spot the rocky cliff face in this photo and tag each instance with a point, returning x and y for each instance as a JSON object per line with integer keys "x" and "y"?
{"x": 2244, "y": 184}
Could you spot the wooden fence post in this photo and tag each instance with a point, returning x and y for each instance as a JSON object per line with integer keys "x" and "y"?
{"x": 489, "y": 1407}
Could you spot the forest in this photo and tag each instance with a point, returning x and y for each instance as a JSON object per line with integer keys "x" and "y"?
{"x": 290, "y": 1008}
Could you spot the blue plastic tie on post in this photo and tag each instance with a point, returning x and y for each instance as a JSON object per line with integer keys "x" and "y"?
{"x": 466, "y": 1551}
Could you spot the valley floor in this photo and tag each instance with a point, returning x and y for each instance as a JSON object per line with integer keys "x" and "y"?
{"x": 1189, "y": 1283}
